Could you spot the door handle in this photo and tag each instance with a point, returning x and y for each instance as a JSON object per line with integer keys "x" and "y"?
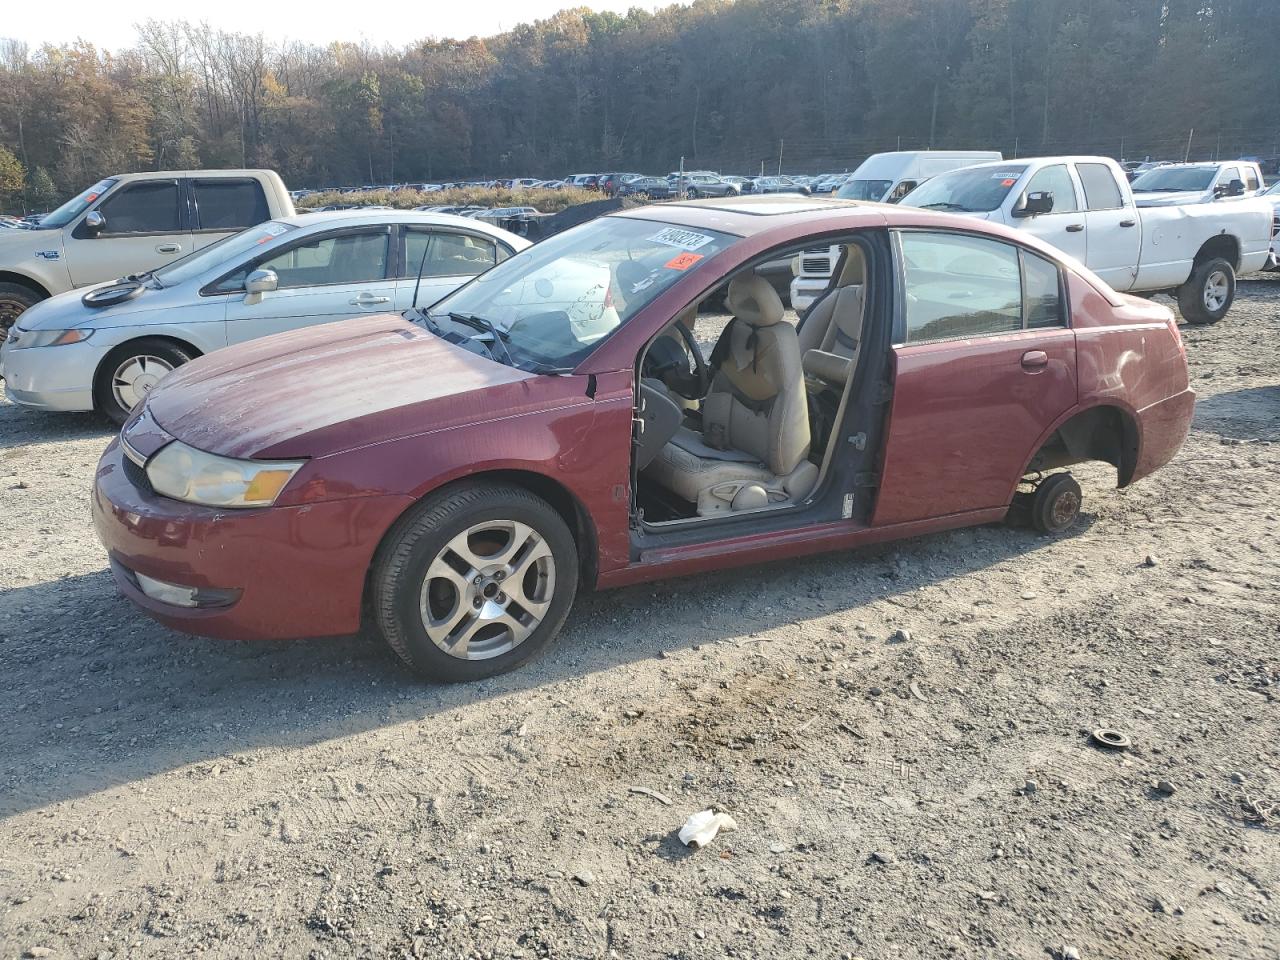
{"x": 169, "y": 248}
{"x": 1128, "y": 223}
{"x": 1075, "y": 227}
{"x": 368, "y": 299}
{"x": 1035, "y": 360}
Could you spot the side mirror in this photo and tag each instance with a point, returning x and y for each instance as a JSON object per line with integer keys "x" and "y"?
{"x": 94, "y": 222}
{"x": 1035, "y": 204}
{"x": 259, "y": 282}
{"x": 1235, "y": 188}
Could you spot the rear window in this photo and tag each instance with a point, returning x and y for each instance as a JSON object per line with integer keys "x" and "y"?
{"x": 1100, "y": 189}
{"x": 229, "y": 204}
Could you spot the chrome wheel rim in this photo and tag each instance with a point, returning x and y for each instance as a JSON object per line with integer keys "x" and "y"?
{"x": 487, "y": 591}
{"x": 1216, "y": 287}
{"x": 9, "y": 312}
{"x": 136, "y": 377}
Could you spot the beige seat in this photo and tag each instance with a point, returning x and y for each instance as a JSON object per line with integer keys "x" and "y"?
{"x": 754, "y": 442}
{"x": 832, "y": 331}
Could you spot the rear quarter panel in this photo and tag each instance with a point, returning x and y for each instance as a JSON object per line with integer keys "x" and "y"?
{"x": 1173, "y": 235}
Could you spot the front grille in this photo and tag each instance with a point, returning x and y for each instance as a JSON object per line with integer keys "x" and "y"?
{"x": 1275, "y": 228}
{"x": 137, "y": 476}
{"x": 818, "y": 265}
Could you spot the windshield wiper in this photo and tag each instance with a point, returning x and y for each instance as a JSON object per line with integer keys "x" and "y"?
{"x": 943, "y": 205}
{"x": 485, "y": 325}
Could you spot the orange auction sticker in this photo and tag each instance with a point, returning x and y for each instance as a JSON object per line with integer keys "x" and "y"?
{"x": 683, "y": 262}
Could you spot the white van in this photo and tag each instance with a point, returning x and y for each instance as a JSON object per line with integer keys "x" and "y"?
{"x": 888, "y": 177}
{"x": 881, "y": 178}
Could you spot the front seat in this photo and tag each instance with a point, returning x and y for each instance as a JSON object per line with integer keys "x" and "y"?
{"x": 832, "y": 329}
{"x": 753, "y": 448}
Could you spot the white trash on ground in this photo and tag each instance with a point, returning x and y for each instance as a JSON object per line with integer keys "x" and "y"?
{"x": 701, "y": 828}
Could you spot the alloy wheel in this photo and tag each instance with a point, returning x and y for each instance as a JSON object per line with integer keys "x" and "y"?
{"x": 9, "y": 312}
{"x": 1217, "y": 287}
{"x": 135, "y": 377}
{"x": 488, "y": 589}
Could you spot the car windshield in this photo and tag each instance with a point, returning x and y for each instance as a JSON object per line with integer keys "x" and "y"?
{"x": 216, "y": 254}
{"x": 973, "y": 190}
{"x": 1273, "y": 190}
{"x": 74, "y": 207}
{"x": 864, "y": 189}
{"x": 557, "y": 301}
{"x": 1174, "y": 178}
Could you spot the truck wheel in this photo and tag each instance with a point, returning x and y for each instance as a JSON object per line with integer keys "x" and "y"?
{"x": 131, "y": 371}
{"x": 1206, "y": 296}
{"x": 474, "y": 581}
{"x": 14, "y": 299}
{"x": 1055, "y": 505}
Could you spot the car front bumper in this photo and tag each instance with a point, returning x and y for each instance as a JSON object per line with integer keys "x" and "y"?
{"x": 275, "y": 573}
{"x": 51, "y": 378}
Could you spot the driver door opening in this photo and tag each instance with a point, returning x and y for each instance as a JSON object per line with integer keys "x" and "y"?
{"x": 741, "y": 404}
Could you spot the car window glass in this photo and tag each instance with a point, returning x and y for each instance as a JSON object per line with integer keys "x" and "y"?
{"x": 348, "y": 258}
{"x": 1056, "y": 180}
{"x": 1100, "y": 189}
{"x": 1250, "y": 179}
{"x": 1227, "y": 175}
{"x": 150, "y": 207}
{"x": 959, "y": 286}
{"x": 448, "y": 254}
{"x": 229, "y": 204}
{"x": 1042, "y": 292}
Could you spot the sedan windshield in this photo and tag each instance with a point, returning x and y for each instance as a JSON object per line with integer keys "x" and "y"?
{"x": 1174, "y": 179}
{"x": 873, "y": 190}
{"x": 974, "y": 190}
{"x": 74, "y": 207}
{"x": 554, "y": 303}
{"x": 216, "y": 254}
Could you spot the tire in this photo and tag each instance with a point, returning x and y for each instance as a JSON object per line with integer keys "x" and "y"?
{"x": 14, "y": 299}
{"x": 1055, "y": 505}
{"x": 132, "y": 369}
{"x": 1208, "y": 293}
{"x": 424, "y": 601}
{"x": 691, "y": 194}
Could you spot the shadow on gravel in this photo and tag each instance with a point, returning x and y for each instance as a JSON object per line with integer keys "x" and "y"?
{"x": 1251, "y": 414}
{"x": 31, "y": 428}
{"x": 97, "y": 695}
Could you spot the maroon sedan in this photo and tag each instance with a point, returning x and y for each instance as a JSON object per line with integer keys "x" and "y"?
{"x": 573, "y": 419}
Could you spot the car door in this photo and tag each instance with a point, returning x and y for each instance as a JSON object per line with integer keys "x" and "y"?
{"x": 221, "y": 206}
{"x": 984, "y": 362}
{"x": 1113, "y": 239}
{"x": 324, "y": 277}
{"x": 446, "y": 257}
{"x": 146, "y": 226}
{"x": 1064, "y": 225}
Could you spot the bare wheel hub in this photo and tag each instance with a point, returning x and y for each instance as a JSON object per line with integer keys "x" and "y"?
{"x": 488, "y": 589}
{"x": 1065, "y": 508}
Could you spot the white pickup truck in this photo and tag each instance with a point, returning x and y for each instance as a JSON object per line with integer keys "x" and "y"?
{"x": 131, "y": 223}
{"x": 1174, "y": 183}
{"x": 1084, "y": 207}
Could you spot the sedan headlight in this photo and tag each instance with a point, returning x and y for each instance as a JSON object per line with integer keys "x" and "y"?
{"x": 22, "y": 339}
{"x": 185, "y": 473}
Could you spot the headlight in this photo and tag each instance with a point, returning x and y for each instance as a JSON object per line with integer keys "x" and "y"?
{"x": 185, "y": 473}
{"x": 50, "y": 338}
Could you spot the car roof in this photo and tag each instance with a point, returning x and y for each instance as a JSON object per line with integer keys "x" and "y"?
{"x": 330, "y": 219}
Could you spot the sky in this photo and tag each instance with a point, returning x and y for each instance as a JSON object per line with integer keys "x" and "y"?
{"x": 394, "y": 22}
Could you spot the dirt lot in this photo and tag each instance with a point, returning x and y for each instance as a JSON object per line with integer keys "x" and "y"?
{"x": 929, "y": 796}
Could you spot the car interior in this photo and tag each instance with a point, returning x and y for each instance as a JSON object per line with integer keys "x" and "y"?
{"x": 747, "y": 427}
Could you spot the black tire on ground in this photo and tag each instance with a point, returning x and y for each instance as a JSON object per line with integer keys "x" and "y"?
{"x": 1207, "y": 295}
{"x": 691, "y": 193}
{"x": 400, "y": 596}
{"x": 105, "y": 394}
{"x": 1055, "y": 505}
{"x": 14, "y": 299}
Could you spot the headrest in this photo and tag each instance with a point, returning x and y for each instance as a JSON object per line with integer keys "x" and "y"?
{"x": 753, "y": 300}
{"x": 855, "y": 270}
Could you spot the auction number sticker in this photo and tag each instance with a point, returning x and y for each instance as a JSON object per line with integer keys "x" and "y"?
{"x": 682, "y": 261}
{"x": 271, "y": 231}
{"x": 683, "y": 239}
{"x": 1007, "y": 175}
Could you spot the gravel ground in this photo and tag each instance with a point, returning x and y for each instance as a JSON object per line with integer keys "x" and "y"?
{"x": 931, "y": 793}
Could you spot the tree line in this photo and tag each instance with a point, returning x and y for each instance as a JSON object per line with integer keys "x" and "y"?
{"x": 808, "y": 84}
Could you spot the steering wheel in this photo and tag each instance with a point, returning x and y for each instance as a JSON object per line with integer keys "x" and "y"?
{"x": 672, "y": 362}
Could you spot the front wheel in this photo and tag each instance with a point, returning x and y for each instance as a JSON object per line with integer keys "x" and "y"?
{"x": 131, "y": 371}
{"x": 474, "y": 582}
{"x": 14, "y": 300}
{"x": 1207, "y": 295}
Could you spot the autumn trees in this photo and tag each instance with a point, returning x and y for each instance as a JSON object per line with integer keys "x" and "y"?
{"x": 723, "y": 84}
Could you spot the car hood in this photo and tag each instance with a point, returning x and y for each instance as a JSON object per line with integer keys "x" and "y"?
{"x": 65, "y": 310}
{"x": 1167, "y": 197}
{"x": 334, "y": 387}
